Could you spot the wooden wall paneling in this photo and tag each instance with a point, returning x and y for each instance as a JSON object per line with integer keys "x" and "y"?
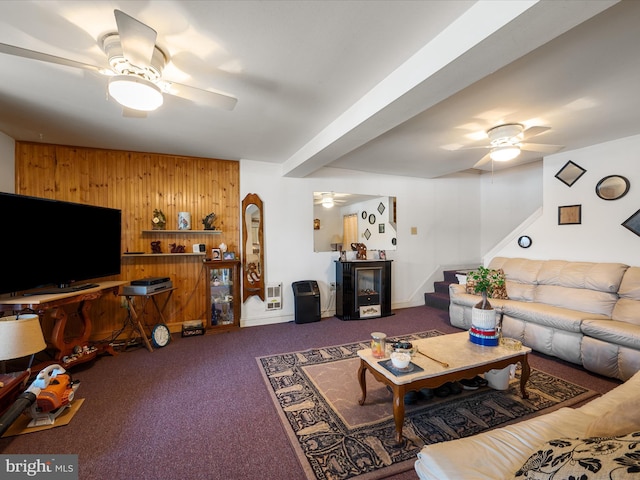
{"x": 137, "y": 183}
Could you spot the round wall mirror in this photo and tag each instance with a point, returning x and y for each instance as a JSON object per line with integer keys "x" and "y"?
{"x": 525, "y": 241}
{"x": 612, "y": 187}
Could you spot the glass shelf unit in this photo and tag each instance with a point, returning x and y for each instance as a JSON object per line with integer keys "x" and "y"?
{"x": 223, "y": 290}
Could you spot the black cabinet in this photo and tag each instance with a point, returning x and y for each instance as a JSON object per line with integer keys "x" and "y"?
{"x": 363, "y": 289}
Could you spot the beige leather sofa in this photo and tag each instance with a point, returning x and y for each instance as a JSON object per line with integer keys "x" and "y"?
{"x": 583, "y": 312}
{"x": 501, "y": 453}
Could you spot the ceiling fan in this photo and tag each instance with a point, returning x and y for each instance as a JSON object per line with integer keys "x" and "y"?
{"x": 136, "y": 64}
{"x": 507, "y": 141}
{"x": 329, "y": 199}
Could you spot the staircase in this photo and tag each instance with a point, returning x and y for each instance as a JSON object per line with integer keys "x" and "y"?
{"x": 439, "y": 298}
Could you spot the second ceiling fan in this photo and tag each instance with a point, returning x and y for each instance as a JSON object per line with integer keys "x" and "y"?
{"x": 507, "y": 140}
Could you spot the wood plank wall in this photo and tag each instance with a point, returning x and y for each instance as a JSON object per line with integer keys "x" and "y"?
{"x": 137, "y": 183}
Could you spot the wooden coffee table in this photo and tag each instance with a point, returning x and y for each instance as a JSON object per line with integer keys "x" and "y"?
{"x": 464, "y": 359}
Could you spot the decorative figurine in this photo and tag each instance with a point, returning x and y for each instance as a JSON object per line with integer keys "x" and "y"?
{"x": 159, "y": 221}
{"x": 208, "y": 221}
{"x": 155, "y": 247}
{"x": 361, "y": 250}
{"x": 175, "y": 248}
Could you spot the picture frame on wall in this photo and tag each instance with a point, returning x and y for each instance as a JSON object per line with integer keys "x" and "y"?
{"x": 570, "y": 173}
{"x": 633, "y": 223}
{"x": 381, "y": 228}
{"x": 570, "y": 215}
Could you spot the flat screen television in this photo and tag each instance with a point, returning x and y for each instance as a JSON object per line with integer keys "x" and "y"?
{"x": 55, "y": 245}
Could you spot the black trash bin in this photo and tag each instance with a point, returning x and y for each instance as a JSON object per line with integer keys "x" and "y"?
{"x": 306, "y": 296}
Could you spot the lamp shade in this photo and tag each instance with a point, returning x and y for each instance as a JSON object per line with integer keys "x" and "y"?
{"x": 504, "y": 153}
{"x": 20, "y": 336}
{"x": 135, "y": 92}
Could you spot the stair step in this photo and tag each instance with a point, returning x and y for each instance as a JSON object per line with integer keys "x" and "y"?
{"x": 450, "y": 276}
{"x": 437, "y": 300}
{"x": 441, "y": 287}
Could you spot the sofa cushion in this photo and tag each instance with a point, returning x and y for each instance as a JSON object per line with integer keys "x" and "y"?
{"x": 547, "y": 315}
{"x": 581, "y": 299}
{"x": 521, "y": 270}
{"x": 621, "y": 420}
{"x": 627, "y": 309}
{"x": 612, "y": 331}
{"x": 601, "y": 277}
{"x": 584, "y": 458}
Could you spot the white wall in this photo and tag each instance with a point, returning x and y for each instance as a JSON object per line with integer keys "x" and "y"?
{"x": 7, "y": 164}
{"x": 445, "y": 213}
{"x": 600, "y": 237}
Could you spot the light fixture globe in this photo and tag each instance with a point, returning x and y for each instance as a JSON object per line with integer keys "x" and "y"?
{"x": 327, "y": 200}
{"x": 504, "y": 153}
{"x": 135, "y": 92}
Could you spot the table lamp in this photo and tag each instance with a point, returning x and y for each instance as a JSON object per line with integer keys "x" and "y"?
{"x": 20, "y": 335}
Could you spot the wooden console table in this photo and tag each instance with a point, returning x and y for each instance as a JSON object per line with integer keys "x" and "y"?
{"x": 70, "y": 351}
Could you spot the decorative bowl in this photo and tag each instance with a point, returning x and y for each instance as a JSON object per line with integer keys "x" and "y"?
{"x": 400, "y": 360}
{"x": 404, "y": 347}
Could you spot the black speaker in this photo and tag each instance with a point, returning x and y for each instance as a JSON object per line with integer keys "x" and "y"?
{"x": 306, "y": 296}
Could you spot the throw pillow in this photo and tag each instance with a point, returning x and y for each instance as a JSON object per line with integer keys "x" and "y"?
{"x": 495, "y": 291}
{"x": 584, "y": 458}
{"x": 623, "y": 419}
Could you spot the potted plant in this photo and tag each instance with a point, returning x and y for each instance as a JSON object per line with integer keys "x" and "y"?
{"x": 484, "y": 282}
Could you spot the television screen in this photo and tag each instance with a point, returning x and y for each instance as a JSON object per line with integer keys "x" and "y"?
{"x": 50, "y": 243}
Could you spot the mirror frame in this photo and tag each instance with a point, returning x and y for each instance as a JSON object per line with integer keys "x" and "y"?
{"x": 257, "y": 287}
{"x": 621, "y": 188}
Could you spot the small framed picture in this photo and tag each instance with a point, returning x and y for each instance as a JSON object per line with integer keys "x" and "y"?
{"x": 216, "y": 254}
{"x": 383, "y": 255}
{"x": 381, "y": 228}
{"x": 343, "y": 256}
{"x": 570, "y": 215}
{"x": 229, "y": 255}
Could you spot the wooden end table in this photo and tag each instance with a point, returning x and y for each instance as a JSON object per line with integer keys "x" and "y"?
{"x": 464, "y": 359}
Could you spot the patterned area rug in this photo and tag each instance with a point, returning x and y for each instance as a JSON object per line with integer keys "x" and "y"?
{"x": 316, "y": 394}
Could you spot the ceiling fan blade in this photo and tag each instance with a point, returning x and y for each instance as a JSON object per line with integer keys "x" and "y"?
{"x": 199, "y": 96}
{"x": 484, "y": 160}
{"x": 540, "y": 147}
{"x": 131, "y": 113}
{"x": 533, "y": 131}
{"x": 44, "y": 57}
{"x": 137, "y": 39}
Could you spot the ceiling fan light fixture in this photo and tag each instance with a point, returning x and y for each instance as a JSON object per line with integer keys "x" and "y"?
{"x": 135, "y": 92}
{"x": 327, "y": 201}
{"x": 504, "y": 153}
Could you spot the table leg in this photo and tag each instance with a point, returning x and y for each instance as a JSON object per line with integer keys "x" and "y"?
{"x": 524, "y": 376}
{"x": 363, "y": 381}
{"x": 398, "y": 411}
{"x": 138, "y": 325}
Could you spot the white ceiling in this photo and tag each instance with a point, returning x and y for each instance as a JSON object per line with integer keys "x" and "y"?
{"x": 395, "y": 87}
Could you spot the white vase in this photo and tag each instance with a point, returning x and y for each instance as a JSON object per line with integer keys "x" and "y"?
{"x": 483, "y": 319}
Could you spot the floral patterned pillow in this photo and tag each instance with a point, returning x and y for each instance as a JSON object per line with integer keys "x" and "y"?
{"x": 496, "y": 291}
{"x": 585, "y": 459}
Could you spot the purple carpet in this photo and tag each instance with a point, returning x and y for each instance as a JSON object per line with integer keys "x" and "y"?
{"x": 199, "y": 409}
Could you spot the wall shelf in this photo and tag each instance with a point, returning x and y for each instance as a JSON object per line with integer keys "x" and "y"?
{"x": 207, "y": 232}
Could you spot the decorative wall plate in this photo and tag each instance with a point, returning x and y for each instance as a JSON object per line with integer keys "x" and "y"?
{"x": 381, "y": 208}
{"x": 372, "y": 219}
{"x": 364, "y": 214}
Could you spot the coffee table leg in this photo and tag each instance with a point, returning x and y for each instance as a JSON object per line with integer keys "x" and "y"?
{"x": 363, "y": 381}
{"x": 524, "y": 376}
{"x": 398, "y": 411}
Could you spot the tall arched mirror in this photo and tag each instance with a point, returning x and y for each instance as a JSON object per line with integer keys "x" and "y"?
{"x": 252, "y": 279}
